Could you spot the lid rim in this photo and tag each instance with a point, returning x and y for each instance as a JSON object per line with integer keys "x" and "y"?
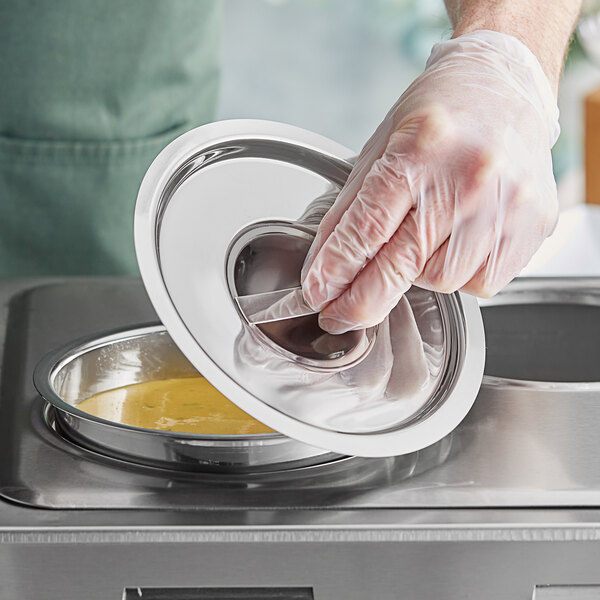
{"x": 431, "y": 429}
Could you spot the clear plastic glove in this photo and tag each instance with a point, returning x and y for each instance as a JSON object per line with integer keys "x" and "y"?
{"x": 454, "y": 190}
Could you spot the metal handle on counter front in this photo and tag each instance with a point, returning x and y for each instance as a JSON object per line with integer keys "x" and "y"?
{"x": 290, "y": 304}
{"x": 218, "y": 593}
{"x": 566, "y": 592}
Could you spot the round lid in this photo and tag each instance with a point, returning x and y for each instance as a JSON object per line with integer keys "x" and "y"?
{"x": 224, "y": 218}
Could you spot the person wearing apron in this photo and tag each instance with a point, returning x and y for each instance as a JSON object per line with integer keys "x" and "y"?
{"x": 91, "y": 92}
{"x": 454, "y": 190}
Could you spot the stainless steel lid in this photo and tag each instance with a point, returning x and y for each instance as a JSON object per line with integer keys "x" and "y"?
{"x": 230, "y": 209}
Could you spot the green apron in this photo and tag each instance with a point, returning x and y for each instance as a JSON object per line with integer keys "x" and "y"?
{"x": 91, "y": 91}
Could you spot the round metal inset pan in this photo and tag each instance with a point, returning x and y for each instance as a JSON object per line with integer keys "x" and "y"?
{"x": 68, "y": 376}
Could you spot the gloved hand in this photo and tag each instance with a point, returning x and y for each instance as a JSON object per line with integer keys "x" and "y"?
{"x": 454, "y": 190}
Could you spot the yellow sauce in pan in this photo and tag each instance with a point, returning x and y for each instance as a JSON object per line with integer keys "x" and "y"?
{"x": 189, "y": 405}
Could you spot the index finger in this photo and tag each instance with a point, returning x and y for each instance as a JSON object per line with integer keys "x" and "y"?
{"x": 371, "y": 151}
{"x": 373, "y": 216}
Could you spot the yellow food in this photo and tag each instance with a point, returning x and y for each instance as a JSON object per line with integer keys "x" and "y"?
{"x": 189, "y": 405}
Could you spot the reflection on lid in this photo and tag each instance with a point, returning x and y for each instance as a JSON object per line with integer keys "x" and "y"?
{"x": 269, "y": 256}
{"x": 304, "y": 337}
{"x": 357, "y": 382}
{"x": 389, "y": 386}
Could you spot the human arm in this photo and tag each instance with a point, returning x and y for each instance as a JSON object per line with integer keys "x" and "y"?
{"x": 545, "y": 27}
{"x": 455, "y": 188}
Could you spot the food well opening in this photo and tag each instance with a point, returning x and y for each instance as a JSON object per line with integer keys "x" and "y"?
{"x": 543, "y": 341}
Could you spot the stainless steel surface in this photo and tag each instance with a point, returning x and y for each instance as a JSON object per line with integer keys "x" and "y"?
{"x": 68, "y": 474}
{"x": 519, "y": 446}
{"x": 332, "y": 569}
{"x": 290, "y": 303}
{"x": 208, "y": 195}
{"x": 341, "y": 552}
{"x": 73, "y": 373}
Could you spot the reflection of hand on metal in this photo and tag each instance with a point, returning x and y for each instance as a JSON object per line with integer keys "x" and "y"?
{"x": 388, "y": 386}
{"x": 397, "y": 368}
{"x": 411, "y": 369}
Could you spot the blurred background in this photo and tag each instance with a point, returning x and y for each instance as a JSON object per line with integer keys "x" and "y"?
{"x": 89, "y": 100}
{"x": 336, "y": 66}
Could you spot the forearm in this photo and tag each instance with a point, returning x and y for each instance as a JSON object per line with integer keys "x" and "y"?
{"x": 544, "y": 26}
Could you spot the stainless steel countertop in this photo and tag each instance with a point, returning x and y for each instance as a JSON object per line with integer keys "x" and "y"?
{"x": 20, "y": 524}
